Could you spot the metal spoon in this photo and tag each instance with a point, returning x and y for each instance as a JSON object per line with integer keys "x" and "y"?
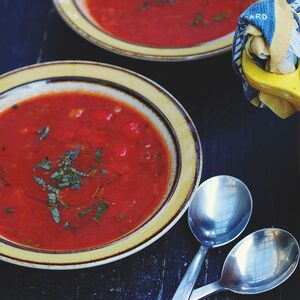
{"x": 258, "y": 263}
{"x": 218, "y": 214}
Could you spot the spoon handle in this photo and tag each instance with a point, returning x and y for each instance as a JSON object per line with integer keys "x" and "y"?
{"x": 186, "y": 285}
{"x": 206, "y": 290}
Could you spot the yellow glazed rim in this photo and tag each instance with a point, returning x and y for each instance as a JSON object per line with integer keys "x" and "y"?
{"x": 75, "y": 18}
{"x": 189, "y": 175}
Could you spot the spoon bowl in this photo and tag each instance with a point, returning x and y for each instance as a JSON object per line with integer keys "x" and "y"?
{"x": 260, "y": 262}
{"x": 219, "y": 212}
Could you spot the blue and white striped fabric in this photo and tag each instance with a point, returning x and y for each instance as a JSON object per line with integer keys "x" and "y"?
{"x": 266, "y": 16}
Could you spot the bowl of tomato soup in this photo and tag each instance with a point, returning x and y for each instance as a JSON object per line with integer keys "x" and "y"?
{"x": 165, "y": 30}
{"x": 96, "y": 163}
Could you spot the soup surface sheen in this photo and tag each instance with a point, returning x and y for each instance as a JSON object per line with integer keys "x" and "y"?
{"x": 78, "y": 170}
{"x": 167, "y": 23}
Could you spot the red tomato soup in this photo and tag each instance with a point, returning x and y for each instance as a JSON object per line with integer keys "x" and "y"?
{"x": 78, "y": 170}
{"x": 167, "y": 23}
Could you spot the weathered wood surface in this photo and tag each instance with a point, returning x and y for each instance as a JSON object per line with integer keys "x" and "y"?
{"x": 237, "y": 139}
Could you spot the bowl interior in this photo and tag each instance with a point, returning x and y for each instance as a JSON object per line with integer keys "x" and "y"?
{"x": 82, "y": 6}
{"x": 77, "y": 16}
{"x": 157, "y": 105}
{"x": 119, "y": 94}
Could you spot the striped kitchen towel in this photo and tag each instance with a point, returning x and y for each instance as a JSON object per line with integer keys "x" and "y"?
{"x": 269, "y": 32}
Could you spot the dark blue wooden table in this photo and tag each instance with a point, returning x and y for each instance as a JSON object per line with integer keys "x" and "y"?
{"x": 237, "y": 139}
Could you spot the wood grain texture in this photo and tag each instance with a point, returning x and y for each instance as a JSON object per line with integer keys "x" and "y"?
{"x": 238, "y": 139}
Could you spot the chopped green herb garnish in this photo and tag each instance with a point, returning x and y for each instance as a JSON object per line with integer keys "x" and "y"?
{"x": 64, "y": 184}
{"x": 55, "y": 215}
{"x": 53, "y": 207}
{"x": 69, "y": 157}
{"x": 40, "y": 181}
{"x": 43, "y": 132}
{"x": 15, "y": 107}
{"x": 198, "y": 19}
{"x": 99, "y": 155}
{"x": 43, "y": 183}
{"x": 66, "y": 175}
{"x": 220, "y": 16}
{"x": 52, "y": 200}
{"x": 102, "y": 207}
{"x": 76, "y": 186}
{"x": 85, "y": 211}
{"x": 56, "y": 174}
{"x": 52, "y": 189}
{"x": 74, "y": 183}
{"x": 78, "y": 172}
{"x": 45, "y": 164}
{"x": 168, "y": 1}
{"x": 68, "y": 226}
{"x": 145, "y": 5}
{"x": 9, "y": 210}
